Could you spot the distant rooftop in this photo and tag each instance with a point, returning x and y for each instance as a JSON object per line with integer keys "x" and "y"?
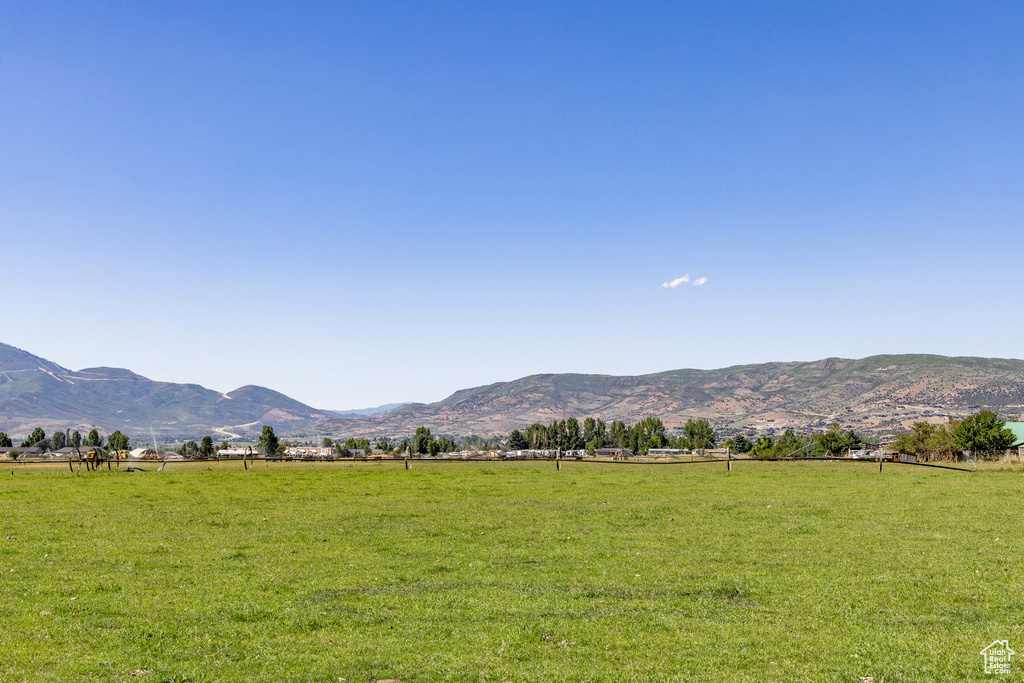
{"x": 1018, "y": 433}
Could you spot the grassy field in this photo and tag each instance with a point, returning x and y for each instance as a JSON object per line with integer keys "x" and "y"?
{"x": 509, "y": 572}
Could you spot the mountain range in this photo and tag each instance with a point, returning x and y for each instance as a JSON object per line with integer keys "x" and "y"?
{"x": 35, "y": 392}
{"x": 874, "y": 395}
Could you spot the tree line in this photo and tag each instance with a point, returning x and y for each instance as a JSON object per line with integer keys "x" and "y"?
{"x": 594, "y": 433}
{"x": 62, "y": 439}
{"x": 568, "y": 434}
{"x": 983, "y": 435}
{"x": 423, "y": 442}
{"x": 834, "y": 441}
{"x": 203, "y": 449}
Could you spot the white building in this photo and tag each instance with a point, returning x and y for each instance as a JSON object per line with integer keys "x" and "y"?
{"x": 308, "y": 451}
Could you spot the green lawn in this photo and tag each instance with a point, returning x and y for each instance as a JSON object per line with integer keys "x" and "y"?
{"x": 509, "y": 572}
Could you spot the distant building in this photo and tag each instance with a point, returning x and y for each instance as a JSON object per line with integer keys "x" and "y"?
{"x": 1017, "y": 447}
{"x": 237, "y": 452}
{"x": 309, "y": 451}
{"x": 31, "y": 451}
{"x": 615, "y": 453}
{"x": 526, "y": 454}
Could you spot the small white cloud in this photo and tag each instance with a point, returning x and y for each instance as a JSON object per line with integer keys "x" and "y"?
{"x": 699, "y": 281}
{"x": 675, "y": 283}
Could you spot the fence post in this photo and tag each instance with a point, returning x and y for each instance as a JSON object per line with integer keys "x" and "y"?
{"x": 880, "y": 461}
{"x": 407, "y": 462}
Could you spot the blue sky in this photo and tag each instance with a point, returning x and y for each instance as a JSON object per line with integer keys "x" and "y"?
{"x": 359, "y": 203}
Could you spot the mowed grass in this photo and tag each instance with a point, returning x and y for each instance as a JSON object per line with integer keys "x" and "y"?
{"x": 509, "y": 572}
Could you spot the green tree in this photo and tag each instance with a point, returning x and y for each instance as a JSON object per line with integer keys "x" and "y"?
{"x": 835, "y": 441}
{"x": 573, "y": 435}
{"x": 763, "y": 447}
{"x": 327, "y": 443}
{"x": 206, "y": 447}
{"x": 189, "y": 449}
{"x": 361, "y": 444}
{"x": 618, "y": 434}
{"x": 268, "y": 442}
{"x": 589, "y": 427}
{"x": 517, "y": 441}
{"x": 633, "y": 441}
{"x": 594, "y": 430}
{"x": 649, "y": 433}
{"x": 76, "y": 439}
{"x": 94, "y": 440}
{"x": 915, "y": 441}
{"x": 37, "y": 437}
{"x": 983, "y": 434}
{"x": 699, "y": 434}
{"x": 537, "y": 435}
{"x": 789, "y": 444}
{"x": 5, "y": 441}
{"x": 224, "y": 445}
{"x": 741, "y": 444}
{"x": 927, "y": 441}
{"x": 434, "y": 447}
{"x": 59, "y": 440}
{"x": 421, "y": 440}
{"x": 556, "y": 434}
{"x": 942, "y": 442}
{"x": 118, "y": 441}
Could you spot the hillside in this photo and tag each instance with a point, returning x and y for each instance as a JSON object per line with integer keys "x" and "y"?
{"x": 36, "y": 392}
{"x": 873, "y": 395}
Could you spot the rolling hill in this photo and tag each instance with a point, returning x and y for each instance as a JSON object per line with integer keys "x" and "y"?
{"x": 874, "y": 395}
{"x": 37, "y": 392}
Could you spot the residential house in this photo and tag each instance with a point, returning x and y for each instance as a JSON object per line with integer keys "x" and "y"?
{"x": 614, "y": 453}
{"x": 21, "y": 451}
{"x": 1017, "y": 447}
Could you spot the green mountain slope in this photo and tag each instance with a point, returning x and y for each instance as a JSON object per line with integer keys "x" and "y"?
{"x": 873, "y": 395}
{"x": 36, "y": 392}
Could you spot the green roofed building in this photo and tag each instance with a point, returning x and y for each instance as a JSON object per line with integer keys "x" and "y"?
{"x": 1018, "y": 436}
